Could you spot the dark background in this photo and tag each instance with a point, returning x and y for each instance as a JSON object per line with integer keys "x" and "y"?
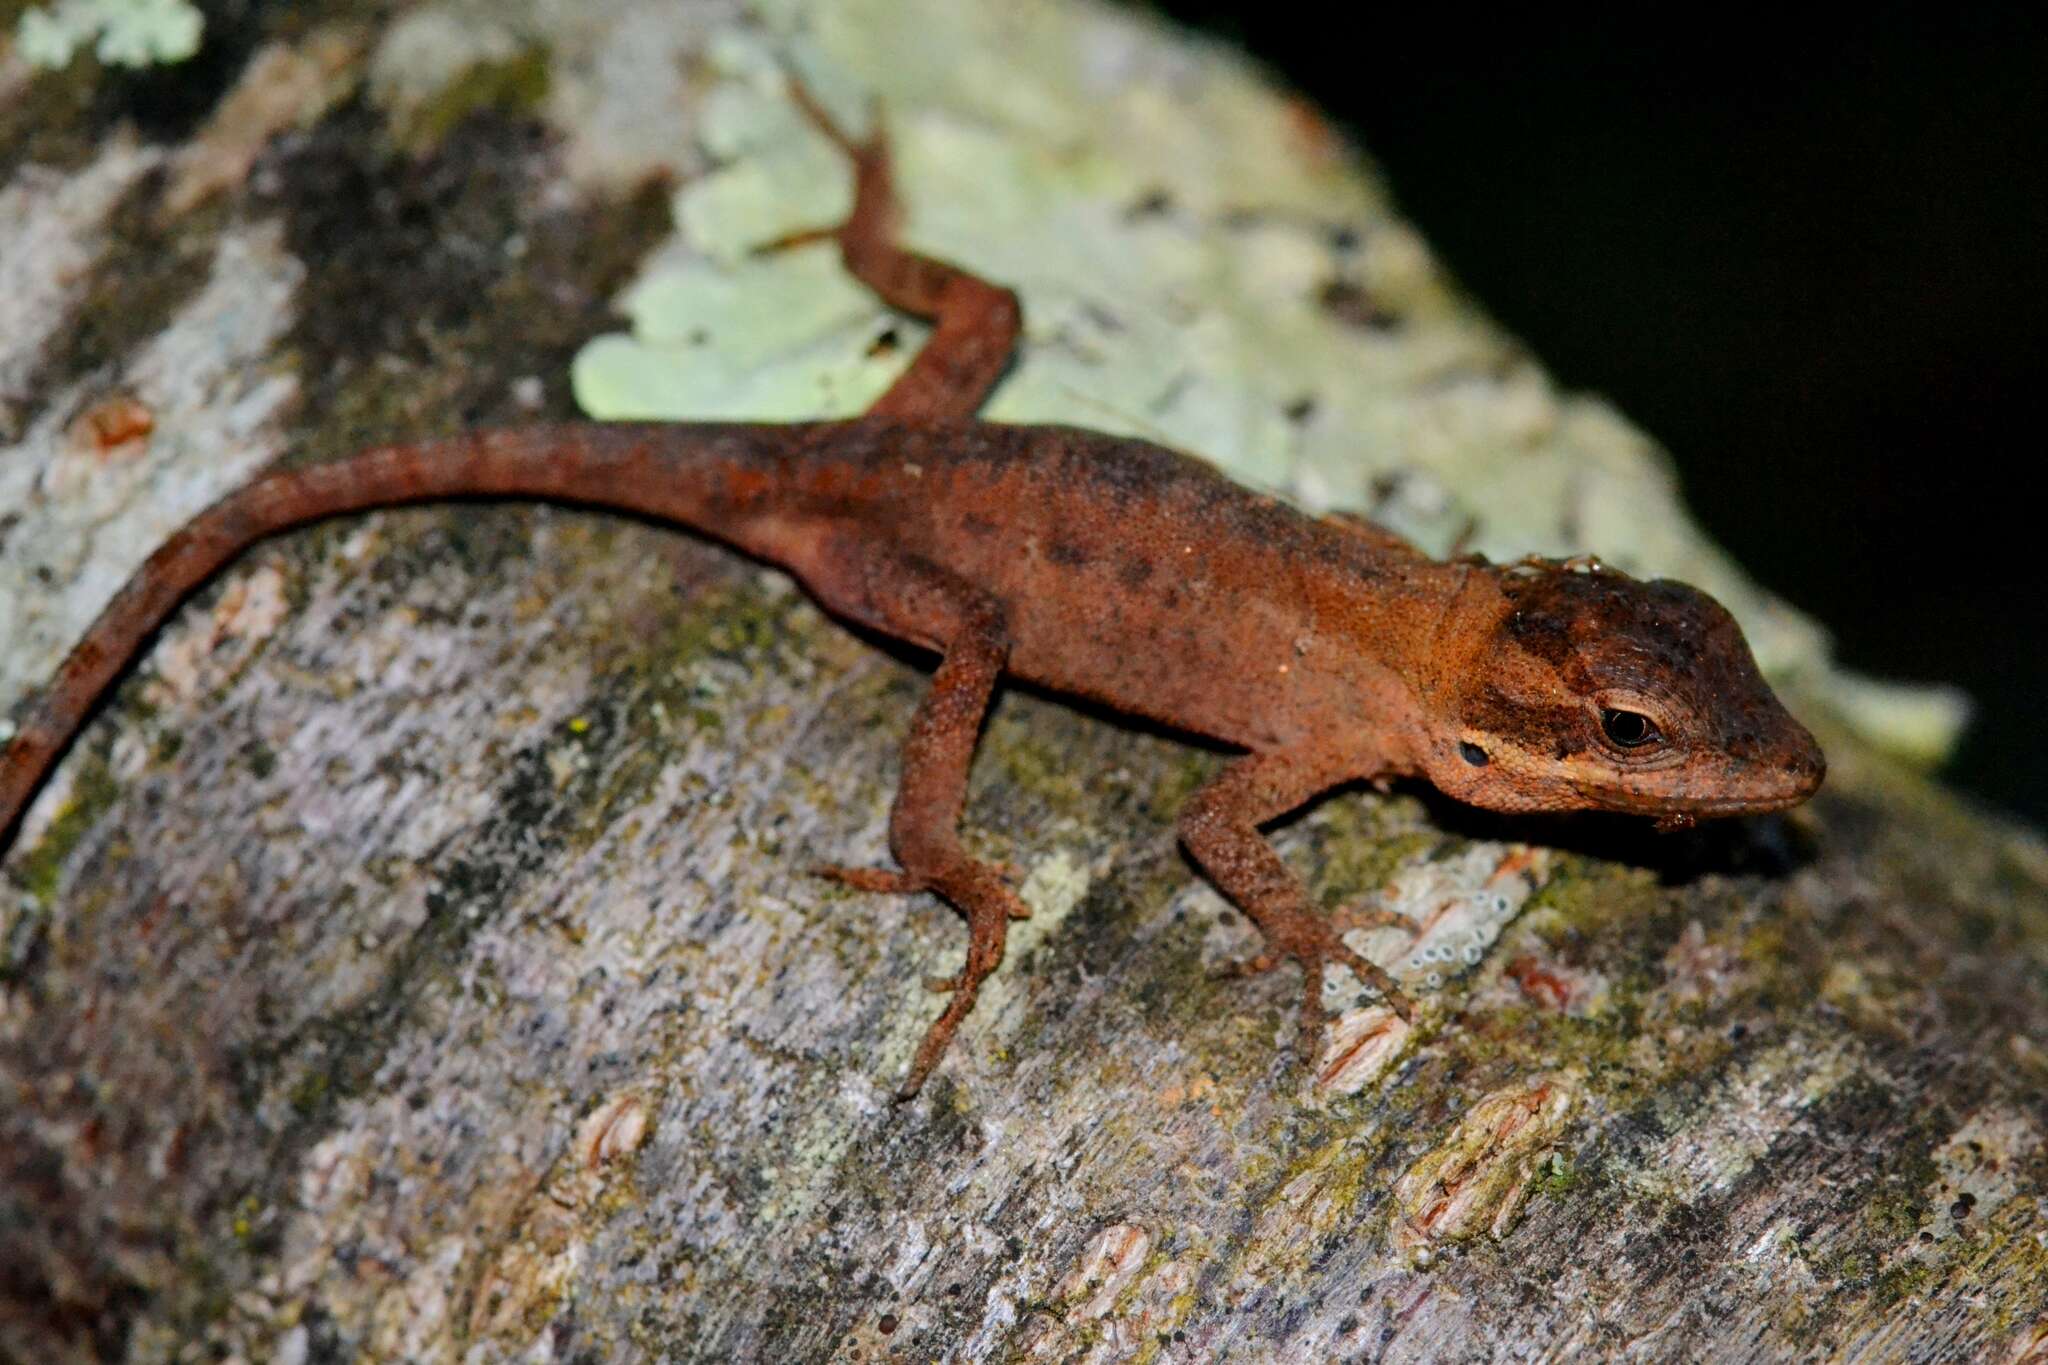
{"x": 1806, "y": 252}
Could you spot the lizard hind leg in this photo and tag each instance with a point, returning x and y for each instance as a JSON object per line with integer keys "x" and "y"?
{"x": 924, "y": 821}
{"x": 976, "y": 323}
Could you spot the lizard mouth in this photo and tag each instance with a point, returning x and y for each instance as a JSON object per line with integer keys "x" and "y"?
{"x": 1758, "y": 788}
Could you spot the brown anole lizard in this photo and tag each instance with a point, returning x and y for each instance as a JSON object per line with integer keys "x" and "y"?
{"x": 1326, "y": 649}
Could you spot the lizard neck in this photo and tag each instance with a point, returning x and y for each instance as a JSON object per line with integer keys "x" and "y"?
{"x": 1403, "y": 630}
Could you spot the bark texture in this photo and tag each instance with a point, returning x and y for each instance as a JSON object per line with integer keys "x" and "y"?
{"x": 416, "y": 959}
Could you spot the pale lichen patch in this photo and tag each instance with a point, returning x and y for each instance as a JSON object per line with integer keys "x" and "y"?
{"x": 1055, "y": 885}
{"x": 131, "y": 33}
{"x": 1460, "y": 905}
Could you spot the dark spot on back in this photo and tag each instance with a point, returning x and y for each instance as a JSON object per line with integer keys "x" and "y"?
{"x": 1067, "y": 554}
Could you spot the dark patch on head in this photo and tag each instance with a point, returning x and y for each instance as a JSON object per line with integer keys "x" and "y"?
{"x": 1603, "y": 629}
{"x": 1133, "y": 570}
{"x": 1497, "y": 713}
{"x": 975, "y": 524}
{"x": 1598, "y": 628}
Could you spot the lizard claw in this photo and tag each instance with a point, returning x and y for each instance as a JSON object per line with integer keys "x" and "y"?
{"x": 819, "y": 118}
{"x": 885, "y": 880}
{"x": 791, "y": 240}
{"x": 1315, "y": 943}
{"x": 1363, "y": 917}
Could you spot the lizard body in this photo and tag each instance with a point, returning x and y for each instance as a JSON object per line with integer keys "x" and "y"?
{"x": 1106, "y": 568}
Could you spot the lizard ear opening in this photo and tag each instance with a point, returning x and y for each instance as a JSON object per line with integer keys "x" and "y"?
{"x": 1473, "y": 754}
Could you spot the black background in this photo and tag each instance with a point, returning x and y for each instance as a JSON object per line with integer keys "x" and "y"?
{"x": 1804, "y": 251}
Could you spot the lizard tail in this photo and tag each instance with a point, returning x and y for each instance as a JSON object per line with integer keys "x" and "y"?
{"x": 698, "y": 475}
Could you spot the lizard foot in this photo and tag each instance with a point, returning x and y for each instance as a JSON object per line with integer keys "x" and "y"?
{"x": 1364, "y": 917}
{"x": 868, "y": 155}
{"x": 980, "y": 892}
{"x": 1315, "y": 943}
{"x": 889, "y": 881}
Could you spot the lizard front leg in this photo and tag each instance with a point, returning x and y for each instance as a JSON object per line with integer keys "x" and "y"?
{"x": 924, "y": 823}
{"x": 1220, "y": 826}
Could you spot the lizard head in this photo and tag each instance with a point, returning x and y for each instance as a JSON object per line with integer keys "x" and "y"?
{"x": 1592, "y": 690}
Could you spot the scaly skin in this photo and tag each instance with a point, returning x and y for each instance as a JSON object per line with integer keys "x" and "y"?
{"x": 1327, "y": 649}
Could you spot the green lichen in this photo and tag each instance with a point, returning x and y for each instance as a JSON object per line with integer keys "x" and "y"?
{"x": 1556, "y": 1177}
{"x": 308, "y": 1095}
{"x": 1360, "y": 854}
{"x": 515, "y": 84}
{"x": 93, "y": 791}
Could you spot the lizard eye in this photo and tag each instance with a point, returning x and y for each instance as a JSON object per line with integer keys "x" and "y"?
{"x": 1629, "y": 729}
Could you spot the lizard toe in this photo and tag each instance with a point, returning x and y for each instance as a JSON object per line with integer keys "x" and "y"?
{"x": 886, "y": 880}
{"x": 1370, "y": 917}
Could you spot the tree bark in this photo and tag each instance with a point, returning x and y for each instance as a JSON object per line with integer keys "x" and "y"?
{"x": 417, "y": 960}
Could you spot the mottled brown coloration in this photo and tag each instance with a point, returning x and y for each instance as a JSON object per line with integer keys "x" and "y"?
{"x": 1104, "y": 568}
